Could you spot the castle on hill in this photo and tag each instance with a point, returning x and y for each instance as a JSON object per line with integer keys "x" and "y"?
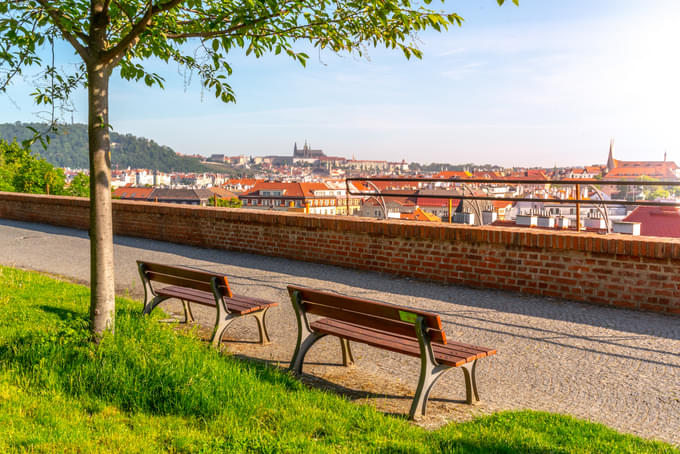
{"x": 306, "y": 152}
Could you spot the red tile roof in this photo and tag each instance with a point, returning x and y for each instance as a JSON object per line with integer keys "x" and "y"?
{"x": 309, "y": 188}
{"x": 420, "y": 215}
{"x": 291, "y": 189}
{"x": 436, "y": 202}
{"x": 223, "y": 193}
{"x": 595, "y": 169}
{"x": 663, "y": 170}
{"x": 242, "y": 181}
{"x": 531, "y": 174}
{"x": 128, "y": 193}
{"x": 657, "y": 221}
{"x": 497, "y": 204}
{"x": 455, "y": 174}
{"x": 488, "y": 174}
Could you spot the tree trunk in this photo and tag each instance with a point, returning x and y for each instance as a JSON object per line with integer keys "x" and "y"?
{"x": 102, "y": 284}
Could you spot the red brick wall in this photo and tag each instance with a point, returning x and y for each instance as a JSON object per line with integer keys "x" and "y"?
{"x": 618, "y": 270}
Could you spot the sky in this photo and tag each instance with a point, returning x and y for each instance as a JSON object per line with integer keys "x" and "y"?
{"x": 547, "y": 83}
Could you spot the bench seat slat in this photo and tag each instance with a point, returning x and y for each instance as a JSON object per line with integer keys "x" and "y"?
{"x": 250, "y": 304}
{"x": 461, "y": 349}
{"x": 179, "y": 281}
{"x": 180, "y": 271}
{"x": 184, "y": 276}
{"x": 370, "y": 321}
{"x": 238, "y": 304}
{"x": 455, "y": 354}
{"x": 375, "y": 308}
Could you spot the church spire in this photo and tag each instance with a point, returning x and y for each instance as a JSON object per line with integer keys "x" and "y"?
{"x": 611, "y": 162}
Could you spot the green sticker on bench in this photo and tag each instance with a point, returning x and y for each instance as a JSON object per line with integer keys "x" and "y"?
{"x": 409, "y": 317}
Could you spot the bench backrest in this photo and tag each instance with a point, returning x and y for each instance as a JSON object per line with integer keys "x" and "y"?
{"x": 184, "y": 277}
{"x": 371, "y": 314}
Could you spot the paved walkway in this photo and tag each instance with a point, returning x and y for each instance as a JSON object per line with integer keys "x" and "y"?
{"x": 614, "y": 366}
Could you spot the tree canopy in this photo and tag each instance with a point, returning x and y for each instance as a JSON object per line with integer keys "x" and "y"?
{"x": 135, "y": 30}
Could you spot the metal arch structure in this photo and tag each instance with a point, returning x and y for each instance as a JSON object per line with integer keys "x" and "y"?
{"x": 378, "y": 193}
{"x": 600, "y": 203}
{"x": 601, "y": 208}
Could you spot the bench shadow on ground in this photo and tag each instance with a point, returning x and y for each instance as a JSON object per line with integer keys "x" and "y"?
{"x": 353, "y": 394}
{"x": 481, "y": 302}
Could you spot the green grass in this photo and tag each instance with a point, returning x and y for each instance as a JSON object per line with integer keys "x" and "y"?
{"x": 150, "y": 388}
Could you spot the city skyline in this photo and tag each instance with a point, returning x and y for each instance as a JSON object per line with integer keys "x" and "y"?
{"x": 540, "y": 85}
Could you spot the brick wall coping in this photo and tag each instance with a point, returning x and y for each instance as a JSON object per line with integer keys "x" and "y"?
{"x": 610, "y": 244}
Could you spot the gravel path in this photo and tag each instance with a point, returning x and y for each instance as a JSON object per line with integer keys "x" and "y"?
{"x": 614, "y": 366}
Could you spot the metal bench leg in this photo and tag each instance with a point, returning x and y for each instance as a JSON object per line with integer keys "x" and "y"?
{"x": 430, "y": 371}
{"x": 305, "y": 338}
{"x": 150, "y": 305}
{"x": 188, "y": 315}
{"x": 262, "y": 328}
{"x": 221, "y": 325}
{"x": 471, "y": 394}
{"x": 429, "y": 374}
{"x": 347, "y": 357}
{"x": 301, "y": 349}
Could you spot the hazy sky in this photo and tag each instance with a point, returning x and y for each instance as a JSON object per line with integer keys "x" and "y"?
{"x": 545, "y": 83}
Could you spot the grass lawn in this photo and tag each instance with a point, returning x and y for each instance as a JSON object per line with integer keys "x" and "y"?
{"x": 150, "y": 388}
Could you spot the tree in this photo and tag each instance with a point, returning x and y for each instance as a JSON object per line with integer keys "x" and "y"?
{"x": 22, "y": 172}
{"x": 121, "y": 34}
{"x": 229, "y": 203}
{"x": 655, "y": 192}
{"x": 8, "y": 166}
{"x": 80, "y": 186}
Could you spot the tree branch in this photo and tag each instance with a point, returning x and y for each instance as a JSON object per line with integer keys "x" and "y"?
{"x": 15, "y": 69}
{"x": 227, "y": 31}
{"x": 120, "y": 7}
{"x": 56, "y": 16}
{"x": 112, "y": 56}
{"x": 231, "y": 30}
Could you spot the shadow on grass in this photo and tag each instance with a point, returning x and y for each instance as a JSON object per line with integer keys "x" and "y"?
{"x": 490, "y": 446}
{"x": 144, "y": 368}
{"x": 62, "y": 313}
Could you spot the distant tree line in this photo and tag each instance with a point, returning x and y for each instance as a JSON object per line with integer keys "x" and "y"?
{"x": 68, "y": 148}
{"x": 23, "y": 171}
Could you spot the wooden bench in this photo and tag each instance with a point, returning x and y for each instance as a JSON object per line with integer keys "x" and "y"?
{"x": 395, "y": 328}
{"x": 206, "y": 288}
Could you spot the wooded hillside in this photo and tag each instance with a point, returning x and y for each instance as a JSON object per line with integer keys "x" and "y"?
{"x": 68, "y": 148}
